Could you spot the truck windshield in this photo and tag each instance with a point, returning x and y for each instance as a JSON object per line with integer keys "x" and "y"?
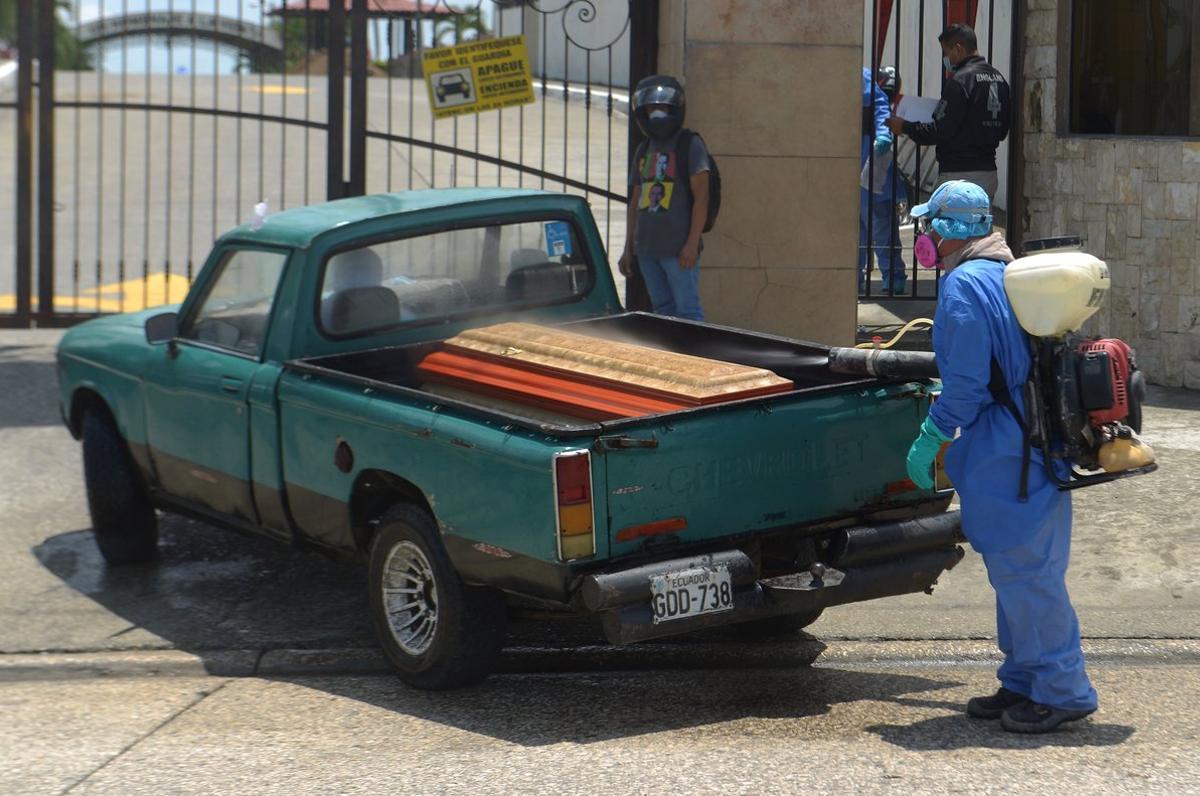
{"x": 450, "y": 273}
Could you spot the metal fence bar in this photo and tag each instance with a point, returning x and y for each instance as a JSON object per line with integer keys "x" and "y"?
{"x": 78, "y": 143}
{"x": 24, "y": 166}
{"x": 221, "y": 113}
{"x": 99, "y": 168}
{"x": 169, "y": 163}
{"x": 391, "y": 103}
{"x": 358, "y": 98}
{"x": 191, "y": 225}
{"x": 262, "y": 98}
{"x": 283, "y": 82}
{"x": 566, "y": 132}
{"x": 146, "y": 181}
{"x": 237, "y": 137}
{"x": 307, "y": 89}
{"x": 122, "y": 161}
{"x": 335, "y": 186}
{"x": 45, "y": 128}
{"x": 608, "y": 171}
{"x": 544, "y": 82}
{"x": 447, "y": 149}
{"x": 413, "y": 51}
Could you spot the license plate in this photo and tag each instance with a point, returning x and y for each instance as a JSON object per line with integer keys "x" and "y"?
{"x": 690, "y": 592}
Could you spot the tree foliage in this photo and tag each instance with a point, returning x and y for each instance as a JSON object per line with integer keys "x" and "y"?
{"x": 464, "y": 26}
{"x": 68, "y": 52}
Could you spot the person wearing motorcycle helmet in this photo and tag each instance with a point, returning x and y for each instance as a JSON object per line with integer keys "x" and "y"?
{"x": 667, "y": 208}
{"x": 889, "y": 80}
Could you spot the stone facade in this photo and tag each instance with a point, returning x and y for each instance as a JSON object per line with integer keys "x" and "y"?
{"x": 1135, "y": 200}
{"x": 774, "y": 86}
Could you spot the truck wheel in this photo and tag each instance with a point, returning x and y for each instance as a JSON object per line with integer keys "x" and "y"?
{"x": 123, "y": 521}
{"x": 775, "y": 626}
{"x": 438, "y": 632}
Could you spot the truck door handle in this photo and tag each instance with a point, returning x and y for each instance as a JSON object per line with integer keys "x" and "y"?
{"x": 230, "y": 384}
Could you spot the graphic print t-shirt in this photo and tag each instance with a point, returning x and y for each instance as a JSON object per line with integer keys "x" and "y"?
{"x": 665, "y": 207}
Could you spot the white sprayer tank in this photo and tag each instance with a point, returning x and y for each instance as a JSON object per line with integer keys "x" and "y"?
{"x": 1055, "y": 292}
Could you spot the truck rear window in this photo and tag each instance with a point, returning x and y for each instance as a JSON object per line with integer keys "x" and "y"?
{"x": 453, "y": 272}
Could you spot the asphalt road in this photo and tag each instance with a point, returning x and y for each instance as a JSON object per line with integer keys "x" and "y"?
{"x": 235, "y": 664}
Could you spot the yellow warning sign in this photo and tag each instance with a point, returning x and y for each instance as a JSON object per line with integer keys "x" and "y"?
{"x": 478, "y": 76}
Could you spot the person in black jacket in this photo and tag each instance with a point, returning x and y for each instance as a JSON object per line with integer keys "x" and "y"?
{"x": 972, "y": 117}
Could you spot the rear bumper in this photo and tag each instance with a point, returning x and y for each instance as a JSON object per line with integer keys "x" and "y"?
{"x": 866, "y": 563}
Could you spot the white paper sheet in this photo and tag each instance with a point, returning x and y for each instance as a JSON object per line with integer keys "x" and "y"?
{"x": 916, "y": 109}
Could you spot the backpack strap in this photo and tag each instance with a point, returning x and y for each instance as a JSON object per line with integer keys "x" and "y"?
{"x": 683, "y": 153}
{"x": 998, "y": 387}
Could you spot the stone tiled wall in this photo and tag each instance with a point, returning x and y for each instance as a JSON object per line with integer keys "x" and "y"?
{"x": 775, "y": 86}
{"x": 1136, "y": 202}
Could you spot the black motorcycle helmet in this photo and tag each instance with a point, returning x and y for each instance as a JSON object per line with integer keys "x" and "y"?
{"x": 889, "y": 80}
{"x": 665, "y": 91}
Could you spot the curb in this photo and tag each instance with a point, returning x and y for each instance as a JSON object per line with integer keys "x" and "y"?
{"x": 685, "y": 655}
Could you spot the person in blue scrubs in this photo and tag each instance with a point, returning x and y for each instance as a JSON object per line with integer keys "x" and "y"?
{"x": 878, "y": 225}
{"x": 1025, "y": 544}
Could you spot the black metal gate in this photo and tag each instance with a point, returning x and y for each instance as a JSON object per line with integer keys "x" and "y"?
{"x": 903, "y": 34}
{"x": 149, "y": 133}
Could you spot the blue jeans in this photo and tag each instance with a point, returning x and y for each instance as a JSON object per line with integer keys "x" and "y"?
{"x": 673, "y": 290}
{"x": 885, "y": 228}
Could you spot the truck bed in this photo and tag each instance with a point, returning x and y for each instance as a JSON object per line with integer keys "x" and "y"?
{"x": 394, "y": 368}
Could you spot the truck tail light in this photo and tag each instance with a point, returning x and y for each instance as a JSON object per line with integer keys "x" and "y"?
{"x": 573, "y": 505}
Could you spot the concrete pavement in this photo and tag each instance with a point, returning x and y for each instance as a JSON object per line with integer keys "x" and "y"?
{"x": 825, "y": 729}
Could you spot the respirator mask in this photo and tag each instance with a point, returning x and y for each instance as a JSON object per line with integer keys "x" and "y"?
{"x": 924, "y": 247}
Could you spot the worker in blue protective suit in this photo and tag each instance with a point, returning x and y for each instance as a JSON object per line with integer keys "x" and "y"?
{"x": 878, "y": 226}
{"x": 1024, "y": 544}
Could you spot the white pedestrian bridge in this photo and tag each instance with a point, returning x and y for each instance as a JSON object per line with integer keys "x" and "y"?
{"x": 239, "y": 33}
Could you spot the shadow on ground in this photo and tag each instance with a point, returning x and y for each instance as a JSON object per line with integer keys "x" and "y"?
{"x": 947, "y": 733}
{"x": 212, "y": 591}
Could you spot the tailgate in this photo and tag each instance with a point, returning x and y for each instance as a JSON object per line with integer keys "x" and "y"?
{"x": 756, "y": 466}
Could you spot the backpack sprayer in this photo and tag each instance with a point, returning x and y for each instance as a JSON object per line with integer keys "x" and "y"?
{"x": 1083, "y": 397}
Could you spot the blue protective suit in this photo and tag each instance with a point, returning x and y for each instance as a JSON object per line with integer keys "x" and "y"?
{"x": 1025, "y": 546}
{"x": 878, "y": 226}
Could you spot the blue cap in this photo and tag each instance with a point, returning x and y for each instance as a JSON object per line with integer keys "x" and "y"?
{"x": 959, "y": 200}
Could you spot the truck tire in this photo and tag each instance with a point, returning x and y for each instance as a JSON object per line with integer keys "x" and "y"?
{"x": 436, "y": 631}
{"x": 123, "y": 520}
{"x": 775, "y": 626}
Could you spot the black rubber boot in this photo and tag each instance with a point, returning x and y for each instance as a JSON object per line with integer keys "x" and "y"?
{"x": 1030, "y": 717}
{"x": 992, "y": 707}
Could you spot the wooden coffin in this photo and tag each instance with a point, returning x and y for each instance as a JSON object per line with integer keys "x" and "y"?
{"x": 588, "y": 377}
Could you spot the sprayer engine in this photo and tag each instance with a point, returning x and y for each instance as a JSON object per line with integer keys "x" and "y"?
{"x": 1093, "y": 393}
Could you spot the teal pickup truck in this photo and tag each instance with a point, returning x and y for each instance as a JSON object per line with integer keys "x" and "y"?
{"x": 283, "y": 397}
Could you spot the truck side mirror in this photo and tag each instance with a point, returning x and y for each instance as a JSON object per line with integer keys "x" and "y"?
{"x": 162, "y": 328}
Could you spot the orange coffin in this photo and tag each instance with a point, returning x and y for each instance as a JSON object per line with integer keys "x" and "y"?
{"x": 588, "y": 377}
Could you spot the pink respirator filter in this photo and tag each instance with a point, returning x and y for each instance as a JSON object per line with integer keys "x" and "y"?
{"x": 926, "y": 251}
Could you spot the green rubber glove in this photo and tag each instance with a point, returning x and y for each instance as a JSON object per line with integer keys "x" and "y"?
{"x": 922, "y": 453}
{"x": 882, "y": 144}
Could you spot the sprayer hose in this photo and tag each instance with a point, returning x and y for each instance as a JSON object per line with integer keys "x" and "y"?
{"x": 905, "y": 329}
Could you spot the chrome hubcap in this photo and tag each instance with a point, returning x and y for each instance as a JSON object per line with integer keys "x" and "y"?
{"x": 410, "y": 598}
